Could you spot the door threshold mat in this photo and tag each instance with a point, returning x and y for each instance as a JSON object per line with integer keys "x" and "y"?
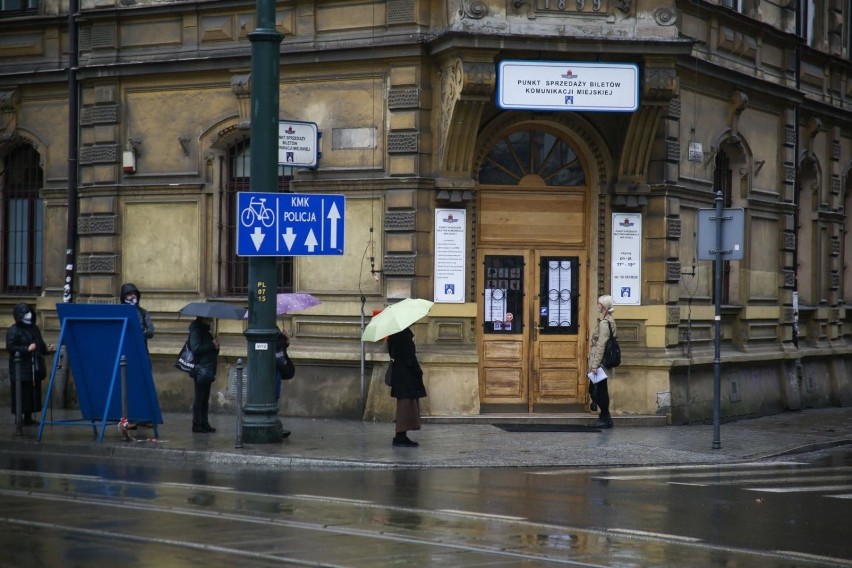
{"x": 546, "y": 428}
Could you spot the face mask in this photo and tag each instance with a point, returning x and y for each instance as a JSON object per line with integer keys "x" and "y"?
{"x": 131, "y": 301}
{"x": 27, "y": 319}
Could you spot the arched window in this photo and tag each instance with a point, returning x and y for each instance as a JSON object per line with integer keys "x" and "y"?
{"x": 532, "y": 152}
{"x": 239, "y": 167}
{"x": 23, "y": 229}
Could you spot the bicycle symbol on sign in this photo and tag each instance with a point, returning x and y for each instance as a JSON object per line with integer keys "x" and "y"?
{"x": 257, "y": 211}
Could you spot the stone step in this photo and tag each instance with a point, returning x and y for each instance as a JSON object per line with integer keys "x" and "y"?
{"x": 577, "y": 418}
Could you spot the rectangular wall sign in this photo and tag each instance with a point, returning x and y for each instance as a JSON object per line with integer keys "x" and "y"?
{"x": 626, "y": 283}
{"x": 568, "y": 85}
{"x": 450, "y": 253}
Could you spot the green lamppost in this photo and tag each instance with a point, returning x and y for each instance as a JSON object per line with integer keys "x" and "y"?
{"x": 260, "y": 417}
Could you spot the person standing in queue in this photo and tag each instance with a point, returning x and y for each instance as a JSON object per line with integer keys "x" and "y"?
{"x": 131, "y": 295}
{"x": 406, "y": 386}
{"x": 205, "y": 350}
{"x": 24, "y": 338}
{"x": 597, "y": 344}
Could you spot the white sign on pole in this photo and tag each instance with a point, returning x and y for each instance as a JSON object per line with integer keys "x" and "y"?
{"x": 626, "y": 281}
{"x": 297, "y": 144}
{"x": 568, "y": 85}
{"x": 450, "y": 251}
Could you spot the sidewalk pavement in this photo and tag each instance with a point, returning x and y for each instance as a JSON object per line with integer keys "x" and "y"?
{"x": 329, "y": 443}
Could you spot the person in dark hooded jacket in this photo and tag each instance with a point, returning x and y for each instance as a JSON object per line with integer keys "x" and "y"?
{"x": 406, "y": 386}
{"x": 131, "y": 295}
{"x": 205, "y": 350}
{"x": 24, "y": 338}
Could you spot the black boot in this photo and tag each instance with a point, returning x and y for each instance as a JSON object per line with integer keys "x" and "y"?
{"x": 603, "y": 423}
{"x": 401, "y": 439}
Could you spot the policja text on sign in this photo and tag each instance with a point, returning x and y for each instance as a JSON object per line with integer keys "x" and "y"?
{"x": 290, "y": 224}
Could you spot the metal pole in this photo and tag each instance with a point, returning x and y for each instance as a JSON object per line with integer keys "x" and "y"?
{"x": 239, "y": 443}
{"x": 19, "y": 399}
{"x": 717, "y": 323}
{"x": 260, "y": 420}
{"x": 363, "y": 361}
{"x": 73, "y": 149}
{"x": 124, "y": 388}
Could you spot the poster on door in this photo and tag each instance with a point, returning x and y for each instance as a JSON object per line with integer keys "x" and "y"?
{"x": 450, "y": 240}
{"x": 626, "y": 270}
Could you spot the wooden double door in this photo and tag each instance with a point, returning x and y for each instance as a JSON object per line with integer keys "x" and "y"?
{"x": 532, "y": 341}
{"x": 532, "y": 278}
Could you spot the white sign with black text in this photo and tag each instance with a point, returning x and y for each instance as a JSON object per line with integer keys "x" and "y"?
{"x": 568, "y": 85}
{"x": 297, "y": 144}
{"x": 626, "y": 282}
{"x": 450, "y": 253}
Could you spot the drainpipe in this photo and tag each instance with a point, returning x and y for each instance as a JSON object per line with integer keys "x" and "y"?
{"x": 796, "y": 147}
{"x": 73, "y": 148}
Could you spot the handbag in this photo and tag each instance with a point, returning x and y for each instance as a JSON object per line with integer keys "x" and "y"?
{"x": 612, "y": 351}
{"x": 186, "y": 360}
{"x": 39, "y": 366}
{"x": 389, "y": 374}
{"x": 203, "y": 375}
{"x": 284, "y": 365}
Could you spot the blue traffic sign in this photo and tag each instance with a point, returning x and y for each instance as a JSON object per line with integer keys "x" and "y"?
{"x": 290, "y": 224}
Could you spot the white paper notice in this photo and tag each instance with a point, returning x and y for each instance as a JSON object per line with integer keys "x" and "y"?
{"x": 450, "y": 251}
{"x": 597, "y": 377}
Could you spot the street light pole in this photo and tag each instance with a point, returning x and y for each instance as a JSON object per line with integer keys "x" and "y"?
{"x": 717, "y": 331}
{"x": 260, "y": 417}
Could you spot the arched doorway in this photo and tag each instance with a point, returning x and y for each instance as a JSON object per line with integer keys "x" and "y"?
{"x": 532, "y": 243}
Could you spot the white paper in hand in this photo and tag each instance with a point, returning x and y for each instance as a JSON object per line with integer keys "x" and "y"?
{"x": 597, "y": 377}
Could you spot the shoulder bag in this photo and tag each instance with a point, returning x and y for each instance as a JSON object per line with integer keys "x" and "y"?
{"x": 389, "y": 374}
{"x": 186, "y": 360}
{"x": 612, "y": 351}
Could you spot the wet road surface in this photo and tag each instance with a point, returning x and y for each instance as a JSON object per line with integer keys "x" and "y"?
{"x": 65, "y": 510}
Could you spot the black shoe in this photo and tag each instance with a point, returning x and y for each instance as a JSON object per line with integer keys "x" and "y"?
{"x": 199, "y": 429}
{"x": 593, "y": 406}
{"x": 30, "y": 422}
{"x": 404, "y": 441}
{"x": 285, "y": 433}
{"x": 603, "y": 424}
{"x": 208, "y": 428}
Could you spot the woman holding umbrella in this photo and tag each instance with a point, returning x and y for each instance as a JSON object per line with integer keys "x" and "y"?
{"x": 406, "y": 385}
{"x": 406, "y": 375}
{"x": 205, "y": 350}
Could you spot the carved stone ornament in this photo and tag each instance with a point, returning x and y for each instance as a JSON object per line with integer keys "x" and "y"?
{"x": 466, "y": 87}
{"x": 9, "y": 102}
{"x": 661, "y": 83}
{"x": 241, "y": 87}
{"x": 473, "y": 9}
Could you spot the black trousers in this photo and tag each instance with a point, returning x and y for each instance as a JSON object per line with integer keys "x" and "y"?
{"x": 600, "y": 394}
{"x": 201, "y": 403}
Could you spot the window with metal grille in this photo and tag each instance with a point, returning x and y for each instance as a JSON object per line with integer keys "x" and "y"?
{"x": 24, "y": 221}
{"x": 239, "y": 168}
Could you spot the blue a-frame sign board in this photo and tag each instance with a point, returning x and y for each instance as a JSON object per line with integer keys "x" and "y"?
{"x": 95, "y": 338}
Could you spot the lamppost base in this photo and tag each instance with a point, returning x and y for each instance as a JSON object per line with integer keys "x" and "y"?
{"x": 266, "y": 432}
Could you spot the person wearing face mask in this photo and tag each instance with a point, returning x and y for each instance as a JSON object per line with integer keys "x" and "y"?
{"x": 131, "y": 295}
{"x": 24, "y": 338}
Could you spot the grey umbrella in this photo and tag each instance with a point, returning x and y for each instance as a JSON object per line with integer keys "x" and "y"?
{"x": 213, "y": 310}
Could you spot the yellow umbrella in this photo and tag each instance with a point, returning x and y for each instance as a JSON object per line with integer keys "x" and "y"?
{"x": 395, "y": 318}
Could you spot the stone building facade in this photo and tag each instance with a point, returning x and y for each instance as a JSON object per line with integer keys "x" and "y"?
{"x": 747, "y": 98}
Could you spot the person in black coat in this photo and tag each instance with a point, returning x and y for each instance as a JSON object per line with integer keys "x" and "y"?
{"x": 131, "y": 295}
{"x": 205, "y": 351}
{"x": 24, "y": 338}
{"x": 406, "y": 386}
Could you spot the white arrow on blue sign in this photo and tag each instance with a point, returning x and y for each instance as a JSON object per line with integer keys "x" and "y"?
{"x": 290, "y": 224}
